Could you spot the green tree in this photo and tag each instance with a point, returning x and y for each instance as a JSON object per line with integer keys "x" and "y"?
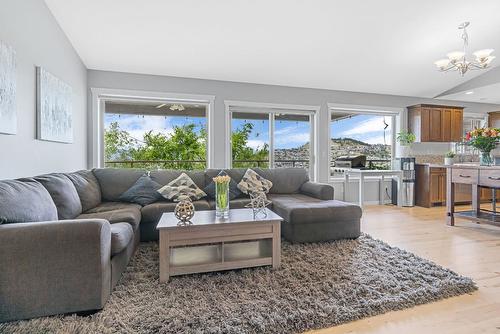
{"x": 117, "y": 143}
{"x": 241, "y": 150}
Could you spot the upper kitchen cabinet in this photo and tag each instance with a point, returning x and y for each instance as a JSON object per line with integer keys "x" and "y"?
{"x": 494, "y": 119}
{"x": 433, "y": 123}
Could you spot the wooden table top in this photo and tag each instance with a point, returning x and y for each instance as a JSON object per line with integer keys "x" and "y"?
{"x": 204, "y": 218}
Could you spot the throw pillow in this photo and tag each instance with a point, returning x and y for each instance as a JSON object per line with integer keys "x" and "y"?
{"x": 143, "y": 192}
{"x": 253, "y": 183}
{"x": 234, "y": 192}
{"x": 182, "y": 188}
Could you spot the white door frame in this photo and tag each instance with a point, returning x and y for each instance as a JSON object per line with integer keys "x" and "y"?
{"x": 394, "y": 112}
{"x": 96, "y": 121}
{"x": 272, "y": 109}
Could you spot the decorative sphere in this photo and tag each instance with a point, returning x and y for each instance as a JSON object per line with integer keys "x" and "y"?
{"x": 184, "y": 211}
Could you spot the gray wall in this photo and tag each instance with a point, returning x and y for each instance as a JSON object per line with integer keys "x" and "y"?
{"x": 30, "y": 28}
{"x": 224, "y": 90}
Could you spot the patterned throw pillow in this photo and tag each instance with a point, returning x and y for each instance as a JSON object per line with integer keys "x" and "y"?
{"x": 254, "y": 183}
{"x": 182, "y": 188}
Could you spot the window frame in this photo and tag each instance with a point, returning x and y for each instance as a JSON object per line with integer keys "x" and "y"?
{"x": 272, "y": 109}
{"x": 102, "y": 95}
{"x": 398, "y": 115}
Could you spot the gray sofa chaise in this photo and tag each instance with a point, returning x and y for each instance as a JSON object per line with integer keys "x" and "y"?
{"x": 66, "y": 238}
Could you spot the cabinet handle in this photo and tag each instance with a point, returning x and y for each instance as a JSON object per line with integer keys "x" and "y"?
{"x": 465, "y": 176}
{"x": 494, "y": 178}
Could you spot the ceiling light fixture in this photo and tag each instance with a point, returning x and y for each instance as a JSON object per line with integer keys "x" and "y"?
{"x": 457, "y": 60}
{"x": 178, "y": 107}
{"x": 469, "y": 93}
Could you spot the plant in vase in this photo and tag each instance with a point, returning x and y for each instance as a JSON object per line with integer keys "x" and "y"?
{"x": 449, "y": 158}
{"x": 222, "y": 195}
{"x": 485, "y": 140}
{"x": 405, "y": 139}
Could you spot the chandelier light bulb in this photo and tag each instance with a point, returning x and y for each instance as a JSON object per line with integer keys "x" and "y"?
{"x": 458, "y": 61}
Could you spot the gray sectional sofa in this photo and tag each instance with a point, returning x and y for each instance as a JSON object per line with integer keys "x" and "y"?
{"x": 66, "y": 238}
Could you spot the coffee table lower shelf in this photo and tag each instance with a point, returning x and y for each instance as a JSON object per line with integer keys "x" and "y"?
{"x": 482, "y": 216}
{"x": 204, "y": 268}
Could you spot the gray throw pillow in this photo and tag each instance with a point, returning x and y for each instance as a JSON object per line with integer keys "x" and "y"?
{"x": 234, "y": 192}
{"x": 88, "y": 188}
{"x": 254, "y": 183}
{"x": 143, "y": 192}
{"x": 63, "y": 193}
{"x": 182, "y": 188}
{"x": 23, "y": 201}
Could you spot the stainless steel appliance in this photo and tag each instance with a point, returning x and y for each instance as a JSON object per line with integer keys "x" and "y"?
{"x": 407, "y": 190}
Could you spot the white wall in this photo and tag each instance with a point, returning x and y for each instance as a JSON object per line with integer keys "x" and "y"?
{"x": 28, "y": 26}
{"x": 223, "y": 90}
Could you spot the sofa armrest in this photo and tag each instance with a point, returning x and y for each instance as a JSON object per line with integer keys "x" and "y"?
{"x": 321, "y": 191}
{"x": 54, "y": 267}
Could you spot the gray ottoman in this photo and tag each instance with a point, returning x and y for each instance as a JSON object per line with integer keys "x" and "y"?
{"x": 308, "y": 219}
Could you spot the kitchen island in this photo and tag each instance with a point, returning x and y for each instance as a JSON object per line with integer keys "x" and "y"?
{"x": 478, "y": 177}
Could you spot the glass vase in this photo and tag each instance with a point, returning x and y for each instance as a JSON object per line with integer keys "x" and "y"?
{"x": 222, "y": 199}
{"x": 485, "y": 158}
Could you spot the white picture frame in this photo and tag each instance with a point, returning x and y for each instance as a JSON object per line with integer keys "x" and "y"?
{"x": 8, "y": 87}
{"x": 54, "y": 108}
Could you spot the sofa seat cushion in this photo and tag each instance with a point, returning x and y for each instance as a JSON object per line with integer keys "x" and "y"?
{"x": 116, "y": 213}
{"x": 88, "y": 188}
{"x": 151, "y": 213}
{"x": 63, "y": 193}
{"x": 25, "y": 201}
{"x": 302, "y": 209}
{"x": 121, "y": 236}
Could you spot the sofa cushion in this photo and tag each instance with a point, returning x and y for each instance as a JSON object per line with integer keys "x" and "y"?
{"x": 115, "y": 181}
{"x": 253, "y": 183}
{"x": 24, "y": 201}
{"x": 88, "y": 188}
{"x": 165, "y": 176}
{"x": 237, "y": 203}
{"x": 301, "y": 209}
{"x": 234, "y": 192}
{"x": 115, "y": 213}
{"x": 63, "y": 193}
{"x": 181, "y": 188}
{"x": 143, "y": 192}
{"x": 285, "y": 180}
{"x": 151, "y": 213}
{"x": 121, "y": 236}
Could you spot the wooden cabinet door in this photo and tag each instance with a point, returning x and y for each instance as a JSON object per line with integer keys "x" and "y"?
{"x": 434, "y": 188}
{"x": 457, "y": 125}
{"x": 435, "y": 125}
{"x": 446, "y": 124}
{"x": 425, "y": 121}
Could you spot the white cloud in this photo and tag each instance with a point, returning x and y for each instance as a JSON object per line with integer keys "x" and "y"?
{"x": 255, "y": 144}
{"x": 288, "y": 136}
{"x": 138, "y": 126}
{"x": 371, "y": 125}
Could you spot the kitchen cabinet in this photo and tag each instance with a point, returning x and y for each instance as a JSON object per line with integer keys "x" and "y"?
{"x": 494, "y": 119}
{"x": 430, "y": 188}
{"x": 433, "y": 123}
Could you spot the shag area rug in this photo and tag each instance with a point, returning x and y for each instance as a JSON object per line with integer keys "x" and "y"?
{"x": 318, "y": 285}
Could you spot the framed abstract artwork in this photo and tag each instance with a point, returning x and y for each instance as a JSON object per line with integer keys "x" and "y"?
{"x": 8, "y": 116}
{"x": 54, "y": 108}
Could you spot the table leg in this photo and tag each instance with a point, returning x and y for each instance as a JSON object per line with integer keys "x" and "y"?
{"x": 476, "y": 198}
{"x": 276, "y": 245}
{"x": 164, "y": 256}
{"x": 494, "y": 200}
{"x": 381, "y": 190}
{"x": 400, "y": 190}
{"x": 361, "y": 189}
{"x": 450, "y": 199}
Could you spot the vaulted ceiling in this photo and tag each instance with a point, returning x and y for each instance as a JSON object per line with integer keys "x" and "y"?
{"x": 378, "y": 46}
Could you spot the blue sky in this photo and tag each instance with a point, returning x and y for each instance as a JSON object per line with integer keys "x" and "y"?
{"x": 289, "y": 134}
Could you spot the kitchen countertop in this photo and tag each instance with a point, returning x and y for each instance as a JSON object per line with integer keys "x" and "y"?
{"x": 460, "y": 165}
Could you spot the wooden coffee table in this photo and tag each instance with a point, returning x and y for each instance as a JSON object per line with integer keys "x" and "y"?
{"x": 212, "y": 244}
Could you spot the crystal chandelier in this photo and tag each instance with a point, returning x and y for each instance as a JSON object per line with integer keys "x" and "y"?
{"x": 457, "y": 60}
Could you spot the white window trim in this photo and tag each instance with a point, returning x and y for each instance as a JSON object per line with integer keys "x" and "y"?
{"x": 272, "y": 109}
{"x": 394, "y": 112}
{"x": 96, "y": 121}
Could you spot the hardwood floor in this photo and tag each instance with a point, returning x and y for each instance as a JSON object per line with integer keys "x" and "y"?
{"x": 469, "y": 249}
